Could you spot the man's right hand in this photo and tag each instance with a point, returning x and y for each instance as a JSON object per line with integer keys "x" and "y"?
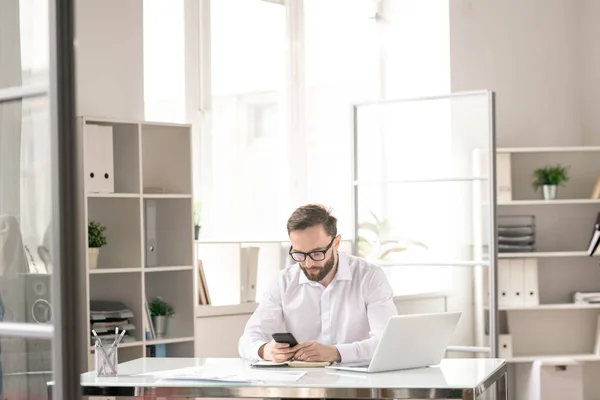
{"x": 277, "y": 352}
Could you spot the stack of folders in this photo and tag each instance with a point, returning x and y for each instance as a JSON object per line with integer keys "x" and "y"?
{"x": 105, "y": 316}
{"x": 516, "y": 234}
{"x": 586, "y": 297}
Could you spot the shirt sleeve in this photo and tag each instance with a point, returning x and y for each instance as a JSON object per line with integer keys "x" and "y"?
{"x": 266, "y": 320}
{"x": 380, "y": 307}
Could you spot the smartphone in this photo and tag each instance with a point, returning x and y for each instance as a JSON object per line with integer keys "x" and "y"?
{"x": 285, "y": 337}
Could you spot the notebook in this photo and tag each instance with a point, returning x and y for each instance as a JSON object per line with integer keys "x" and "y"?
{"x": 291, "y": 363}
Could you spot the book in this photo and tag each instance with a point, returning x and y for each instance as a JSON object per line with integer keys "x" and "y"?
{"x": 595, "y": 239}
{"x": 291, "y": 363}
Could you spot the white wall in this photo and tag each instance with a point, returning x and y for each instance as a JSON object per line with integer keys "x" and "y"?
{"x": 529, "y": 53}
{"x": 109, "y": 58}
{"x": 590, "y": 69}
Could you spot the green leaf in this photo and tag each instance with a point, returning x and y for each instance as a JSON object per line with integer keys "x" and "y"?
{"x": 550, "y": 175}
{"x": 96, "y": 235}
{"x": 159, "y": 307}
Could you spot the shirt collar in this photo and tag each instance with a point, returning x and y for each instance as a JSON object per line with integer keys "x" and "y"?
{"x": 343, "y": 272}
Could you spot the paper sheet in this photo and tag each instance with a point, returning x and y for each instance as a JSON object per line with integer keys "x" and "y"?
{"x": 204, "y": 374}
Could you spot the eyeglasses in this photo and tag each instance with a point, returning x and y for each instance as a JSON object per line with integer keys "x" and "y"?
{"x": 318, "y": 255}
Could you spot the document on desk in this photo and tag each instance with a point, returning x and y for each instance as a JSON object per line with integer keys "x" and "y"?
{"x": 204, "y": 374}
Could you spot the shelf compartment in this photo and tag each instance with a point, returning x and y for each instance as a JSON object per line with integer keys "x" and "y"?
{"x": 175, "y": 288}
{"x": 168, "y": 234}
{"x": 126, "y": 150}
{"x": 175, "y": 349}
{"x": 123, "y": 231}
{"x": 582, "y": 169}
{"x": 128, "y": 290}
{"x": 166, "y": 155}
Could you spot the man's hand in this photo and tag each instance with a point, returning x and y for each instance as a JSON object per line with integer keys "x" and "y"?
{"x": 315, "y": 351}
{"x": 278, "y": 352}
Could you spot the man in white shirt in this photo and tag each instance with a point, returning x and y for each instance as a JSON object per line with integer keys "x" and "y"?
{"x": 335, "y": 305}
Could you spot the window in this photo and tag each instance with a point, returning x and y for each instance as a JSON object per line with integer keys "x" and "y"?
{"x": 308, "y": 65}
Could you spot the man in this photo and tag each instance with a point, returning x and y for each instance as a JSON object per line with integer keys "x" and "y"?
{"x": 335, "y": 305}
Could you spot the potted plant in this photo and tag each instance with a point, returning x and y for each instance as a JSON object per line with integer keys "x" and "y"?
{"x": 377, "y": 241}
{"x": 197, "y": 209}
{"x": 549, "y": 178}
{"x": 96, "y": 239}
{"x": 160, "y": 311}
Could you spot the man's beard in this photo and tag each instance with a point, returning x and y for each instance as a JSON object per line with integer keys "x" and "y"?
{"x": 324, "y": 270}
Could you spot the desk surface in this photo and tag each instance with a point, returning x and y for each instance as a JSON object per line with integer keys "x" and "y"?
{"x": 452, "y": 379}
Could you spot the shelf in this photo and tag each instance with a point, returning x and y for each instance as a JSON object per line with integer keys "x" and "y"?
{"x": 557, "y": 307}
{"x": 123, "y": 230}
{"x": 124, "y": 345}
{"x": 166, "y": 196}
{"x": 218, "y": 311}
{"x": 115, "y": 195}
{"x": 423, "y": 180}
{"x": 125, "y": 152}
{"x": 548, "y": 202}
{"x": 99, "y": 271}
{"x": 431, "y": 263}
{"x": 166, "y": 269}
{"x": 544, "y": 254}
{"x": 553, "y": 149}
{"x": 169, "y": 232}
{"x": 168, "y": 340}
{"x": 166, "y": 158}
{"x": 567, "y": 357}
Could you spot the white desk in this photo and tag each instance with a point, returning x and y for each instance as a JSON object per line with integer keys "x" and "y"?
{"x": 452, "y": 379}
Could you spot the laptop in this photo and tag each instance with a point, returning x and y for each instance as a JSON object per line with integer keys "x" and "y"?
{"x": 410, "y": 341}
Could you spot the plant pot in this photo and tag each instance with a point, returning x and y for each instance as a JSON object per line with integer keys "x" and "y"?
{"x": 160, "y": 325}
{"x": 196, "y": 232}
{"x": 93, "y": 253}
{"x": 549, "y": 192}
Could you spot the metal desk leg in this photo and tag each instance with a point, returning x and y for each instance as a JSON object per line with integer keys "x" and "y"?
{"x": 502, "y": 387}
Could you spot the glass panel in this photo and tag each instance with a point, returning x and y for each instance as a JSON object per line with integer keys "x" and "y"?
{"x": 24, "y": 59}
{"x": 423, "y": 199}
{"x": 25, "y": 200}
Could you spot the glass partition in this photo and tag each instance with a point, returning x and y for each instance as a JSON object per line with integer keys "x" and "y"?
{"x": 423, "y": 186}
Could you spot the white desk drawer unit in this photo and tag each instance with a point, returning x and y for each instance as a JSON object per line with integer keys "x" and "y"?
{"x": 550, "y": 380}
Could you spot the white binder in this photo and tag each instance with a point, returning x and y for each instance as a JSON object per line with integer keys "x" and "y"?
{"x": 504, "y": 283}
{"x": 515, "y": 297}
{"x": 99, "y": 159}
{"x": 248, "y": 274}
{"x": 530, "y": 282}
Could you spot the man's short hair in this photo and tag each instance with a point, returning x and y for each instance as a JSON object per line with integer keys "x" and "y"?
{"x": 310, "y": 215}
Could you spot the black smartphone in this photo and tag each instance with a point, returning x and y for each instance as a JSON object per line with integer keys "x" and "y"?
{"x": 285, "y": 337}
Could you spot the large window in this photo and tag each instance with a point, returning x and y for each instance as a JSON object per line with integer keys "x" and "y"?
{"x": 276, "y": 84}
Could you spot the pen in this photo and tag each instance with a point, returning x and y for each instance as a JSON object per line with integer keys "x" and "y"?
{"x": 100, "y": 347}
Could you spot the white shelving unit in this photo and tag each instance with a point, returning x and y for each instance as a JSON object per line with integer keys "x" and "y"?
{"x": 148, "y": 215}
{"x": 556, "y": 328}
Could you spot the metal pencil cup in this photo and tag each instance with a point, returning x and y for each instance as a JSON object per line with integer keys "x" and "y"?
{"x": 106, "y": 360}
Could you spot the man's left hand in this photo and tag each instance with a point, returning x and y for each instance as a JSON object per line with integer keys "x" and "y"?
{"x": 315, "y": 351}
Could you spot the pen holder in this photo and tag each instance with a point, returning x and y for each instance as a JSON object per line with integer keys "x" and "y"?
{"x": 106, "y": 360}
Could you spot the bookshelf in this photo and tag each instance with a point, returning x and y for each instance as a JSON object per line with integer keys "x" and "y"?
{"x": 555, "y": 328}
{"x": 147, "y": 210}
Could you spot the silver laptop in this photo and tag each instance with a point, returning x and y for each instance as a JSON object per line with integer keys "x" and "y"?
{"x": 410, "y": 341}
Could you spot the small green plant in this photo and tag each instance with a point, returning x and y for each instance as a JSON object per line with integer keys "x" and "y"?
{"x": 550, "y": 175}
{"x": 197, "y": 212}
{"x": 377, "y": 240}
{"x": 159, "y": 307}
{"x": 96, "y": 234}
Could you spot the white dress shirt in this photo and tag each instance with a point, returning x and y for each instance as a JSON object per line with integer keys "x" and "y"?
{"x": 350, "y": 313}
